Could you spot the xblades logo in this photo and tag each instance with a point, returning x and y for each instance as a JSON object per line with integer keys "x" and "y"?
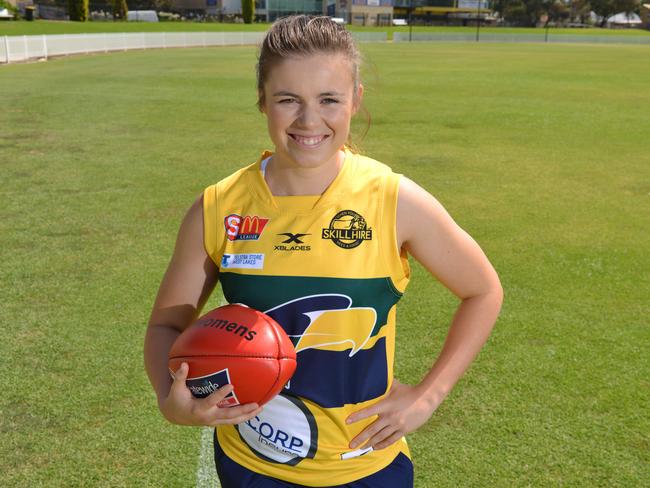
{"x": 295, "y": 242}
{"x": 292, "y": 237}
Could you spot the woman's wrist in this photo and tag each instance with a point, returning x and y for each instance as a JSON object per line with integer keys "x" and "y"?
{"x": 432, "y": 393}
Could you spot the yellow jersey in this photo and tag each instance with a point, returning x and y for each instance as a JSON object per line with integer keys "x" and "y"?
{"x": 327, "y": 268}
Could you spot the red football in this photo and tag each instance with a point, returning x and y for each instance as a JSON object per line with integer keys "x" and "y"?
{"x": 237, "y": 345}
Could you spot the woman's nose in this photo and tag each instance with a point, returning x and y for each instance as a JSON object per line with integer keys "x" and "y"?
{"x": 309, "y": 116}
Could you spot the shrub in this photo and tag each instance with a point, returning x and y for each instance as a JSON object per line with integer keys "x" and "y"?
{"x": 120, "y": 9}
{"x": 78, "y": 10}
{"x": 248, "y": 10}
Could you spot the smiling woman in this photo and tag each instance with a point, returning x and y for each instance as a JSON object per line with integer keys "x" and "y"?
{"x": 309, "y": 88}
{"x": 342, "y": 419}
{"x": 309, "y": 103}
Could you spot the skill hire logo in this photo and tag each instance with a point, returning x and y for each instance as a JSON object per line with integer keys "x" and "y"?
{"x": 246, "y": 228}
{"x": 348, "y": 230}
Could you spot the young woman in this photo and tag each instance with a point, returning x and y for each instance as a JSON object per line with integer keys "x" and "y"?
{"x": 317, "y": 236}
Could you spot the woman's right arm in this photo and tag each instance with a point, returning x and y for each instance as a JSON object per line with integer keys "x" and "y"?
{"x": 190, "y": 278}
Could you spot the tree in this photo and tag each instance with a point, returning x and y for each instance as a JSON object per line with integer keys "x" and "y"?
{"x": 607, "y": 8}
{"x": 604, "y": 9}
{"x": 528, "y": 13}
{"x": 78, "y": 10}
{"x": 628, "y": 6}
{"x": 516, "y": 13}
{"x": 520, "y": 12}
{"x": 580, "y": 10}
{"x": 120, "y": 9}
{"x": 163, "y": 5}
{"x": 557, "y": 12}
{"x": 248, "y": 10}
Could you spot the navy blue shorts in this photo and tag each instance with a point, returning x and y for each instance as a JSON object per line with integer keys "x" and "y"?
{"x": 398, "y": 474}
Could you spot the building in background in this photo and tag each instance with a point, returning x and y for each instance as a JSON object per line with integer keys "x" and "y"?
{"x": 365, "y": 12}
{"x": 271, "y": 10}
{"x": 358, "y": 12}
{"x": 624, "y": 20}
{"x": 199, "y": 7}
{"x": 265, "y": 10}
{"x": 445, "y": 12}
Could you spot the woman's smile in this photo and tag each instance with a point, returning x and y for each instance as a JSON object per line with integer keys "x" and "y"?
{"x": 308, "y": 141}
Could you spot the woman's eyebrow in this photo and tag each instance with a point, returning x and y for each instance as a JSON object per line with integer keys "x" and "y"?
{"x": 324, "y": 94}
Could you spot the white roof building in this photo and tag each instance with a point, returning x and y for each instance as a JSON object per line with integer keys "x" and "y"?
{"x": 624, "y": 19}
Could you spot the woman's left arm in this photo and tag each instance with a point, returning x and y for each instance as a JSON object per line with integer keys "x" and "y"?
{"x": 427, "y": 232}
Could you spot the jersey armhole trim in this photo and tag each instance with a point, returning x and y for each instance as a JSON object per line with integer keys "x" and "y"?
{"x": 395, "y": 260}
{"x": 210, "y": 231}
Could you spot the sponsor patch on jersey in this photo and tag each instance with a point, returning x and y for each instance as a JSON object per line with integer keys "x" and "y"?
{"x": 348, "y": 230}
{"x": 285, "y": 432}
{"x": 203, "y": 386}
{"x": 246, "y": 228}
{"x": 242, "y": 261}
{"x": 292, "y": 242}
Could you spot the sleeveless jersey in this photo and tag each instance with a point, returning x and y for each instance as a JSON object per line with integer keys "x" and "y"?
{"x": 328, "y": 270}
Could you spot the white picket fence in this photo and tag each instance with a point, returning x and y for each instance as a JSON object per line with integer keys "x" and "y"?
{"x": 25, "y": 48}
{"x": 506, "y": 38}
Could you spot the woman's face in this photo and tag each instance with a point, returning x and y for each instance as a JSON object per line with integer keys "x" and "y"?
{"x": 308, "y": 102}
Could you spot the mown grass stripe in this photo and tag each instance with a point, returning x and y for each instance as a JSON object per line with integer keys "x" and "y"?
{"x": 206, "y": 474}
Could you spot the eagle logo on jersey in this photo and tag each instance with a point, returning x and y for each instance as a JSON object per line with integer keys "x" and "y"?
{"x": 317, "y": 323}
{"x": 325, "y": 330}
{"x": 348, "y": 230}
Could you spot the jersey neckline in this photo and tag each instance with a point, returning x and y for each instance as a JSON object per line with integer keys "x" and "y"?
{"x": 330, "y": 194}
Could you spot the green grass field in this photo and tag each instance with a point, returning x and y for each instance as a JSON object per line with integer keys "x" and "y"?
{"x": 541, "y": 152}
{"x": 63, "y": 27}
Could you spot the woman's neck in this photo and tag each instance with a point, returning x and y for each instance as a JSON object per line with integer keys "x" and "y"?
{"x": 287, "y": 180}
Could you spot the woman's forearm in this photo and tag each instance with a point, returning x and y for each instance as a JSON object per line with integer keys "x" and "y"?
{"x": 469, "y": 330}
{"x": 158, "y": 341}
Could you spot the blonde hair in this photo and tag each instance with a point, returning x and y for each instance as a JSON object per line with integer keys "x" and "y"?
{"x": 302, "y": 35}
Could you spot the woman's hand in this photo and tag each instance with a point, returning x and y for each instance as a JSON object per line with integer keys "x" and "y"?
{"x": 180, "y": 406}
{"x": 404, "y": 409}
